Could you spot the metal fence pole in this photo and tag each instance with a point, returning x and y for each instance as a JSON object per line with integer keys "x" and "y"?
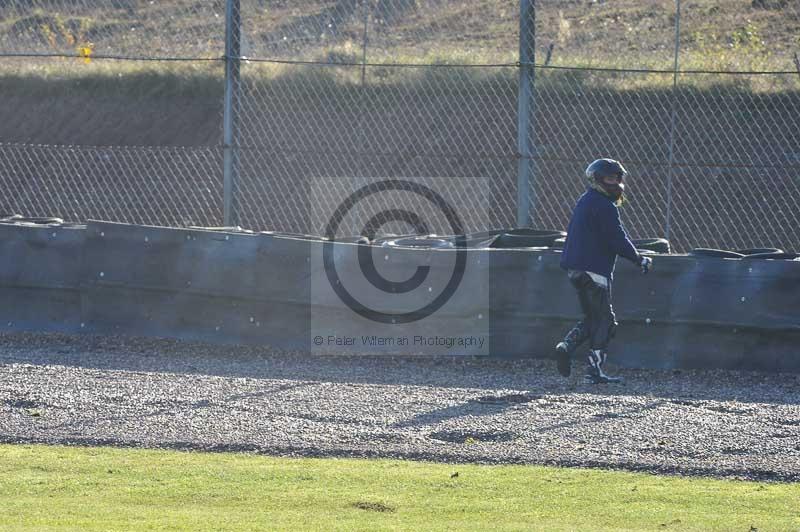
{"x": 525, "y": 110}
{"x": 233, "y": 29}
{"x": 364, "y": 43}
{"x": 673, "y": 117}
{"x": 361, "y": 178}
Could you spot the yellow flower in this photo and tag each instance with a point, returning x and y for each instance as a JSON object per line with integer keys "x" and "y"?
{"x": 85, "y": 51}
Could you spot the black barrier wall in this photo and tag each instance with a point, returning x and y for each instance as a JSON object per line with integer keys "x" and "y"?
{"x": 258, "y": 288}
{"x": 41, "y": 277}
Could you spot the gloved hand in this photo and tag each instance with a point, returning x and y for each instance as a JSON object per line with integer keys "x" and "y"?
{"x": 645, "y": 264}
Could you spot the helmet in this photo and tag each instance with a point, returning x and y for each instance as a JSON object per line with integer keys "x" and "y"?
{"x": 602, "y": 168}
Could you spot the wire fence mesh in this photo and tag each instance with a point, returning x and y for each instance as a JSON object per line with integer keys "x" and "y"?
{"x": 141, "y": 185}
{"x": 115, "y": 111}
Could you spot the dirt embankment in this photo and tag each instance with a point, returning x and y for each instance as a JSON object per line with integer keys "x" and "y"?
{"x": 108, "y": 120}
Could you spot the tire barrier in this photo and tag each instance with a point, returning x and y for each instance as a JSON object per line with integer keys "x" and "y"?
{"x": 478, "y": 242}
{"x": 758, "y": 251}
{"x": 545, "y": 233}
{"x": 223, "y": 229}
{"x": 657, "y": 245}
{"x": 354, "y": 240}
{"x": 715, "y": 253}
{"x": 420, "y": 242}
{"x": 777, "y": 255}
{"x": 35, "y": 220}
{"x": 526, "y": 238}
{"x": 746, "y": 254}
{"x": 696, "y": 311}
{"x": 486, "y": 235}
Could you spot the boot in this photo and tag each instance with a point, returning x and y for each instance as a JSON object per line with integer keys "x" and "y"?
{"x": 594, "y": 371}
{"x": 563, "y": 362}
{"x": 565, "y": 348}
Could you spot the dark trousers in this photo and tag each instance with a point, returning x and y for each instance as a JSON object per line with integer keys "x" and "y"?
{"x": 598, "y": 323}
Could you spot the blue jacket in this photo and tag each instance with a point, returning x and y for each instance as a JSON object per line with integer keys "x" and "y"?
{"x": 595, "y": 236}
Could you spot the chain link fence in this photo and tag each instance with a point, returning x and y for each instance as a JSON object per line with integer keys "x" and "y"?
{"x": 707, "y": 128}
{"x": 151, "y": 112}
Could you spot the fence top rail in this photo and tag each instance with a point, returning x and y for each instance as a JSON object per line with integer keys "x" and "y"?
{"x": 516, "y": 64}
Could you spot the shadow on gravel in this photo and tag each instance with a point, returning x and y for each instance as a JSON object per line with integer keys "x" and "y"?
{"x": 603, "y": 416}
{"x": 169, "y": 408}
{"x": 466, "y": 436}
{"x": 520, "y": 376}
{"x": 487, "y": 405}
{"x": 492, "y": 405}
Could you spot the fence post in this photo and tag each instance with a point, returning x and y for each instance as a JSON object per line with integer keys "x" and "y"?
{"x": 364, "y": 41}
{"x": 233, "y": 28}
{"x": 360, "y": 177}
{"x": 674, "y": 110}
{"x": 525, "y": 111}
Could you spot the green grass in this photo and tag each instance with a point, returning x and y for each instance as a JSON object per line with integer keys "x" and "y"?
{"x": 45, "y": 488}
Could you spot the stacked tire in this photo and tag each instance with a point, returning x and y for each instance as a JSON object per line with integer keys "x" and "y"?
{"x": 745, "y": 254}
{"x": 527, "y": 238}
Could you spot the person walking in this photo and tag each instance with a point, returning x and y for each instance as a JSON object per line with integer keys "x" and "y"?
{"x": 595, "y": 237}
